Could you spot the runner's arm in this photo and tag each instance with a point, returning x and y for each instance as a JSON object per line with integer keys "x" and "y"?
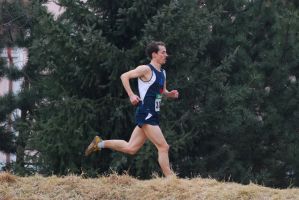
{"x": 170, "y": 94}
{"x": 138, "y": 72}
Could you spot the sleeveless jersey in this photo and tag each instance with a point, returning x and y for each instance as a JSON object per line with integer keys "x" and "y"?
{"x": 151, "y": 91}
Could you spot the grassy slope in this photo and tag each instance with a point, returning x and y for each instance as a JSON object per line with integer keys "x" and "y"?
{"x": 126, "y": 187}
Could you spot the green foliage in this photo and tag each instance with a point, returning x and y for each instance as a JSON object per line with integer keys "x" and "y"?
{"x": 223, "y": 130}
{"x": 234, "y": 63}
{"x": 81, "y": 62}
{"x": 7, "y": 139}
{"x": 15, "y": 21}
{"x": 60, "y": 135}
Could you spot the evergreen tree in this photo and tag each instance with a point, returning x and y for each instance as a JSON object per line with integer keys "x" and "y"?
{"x": 234, "y": 63}
{"x": 229, "y": 135}
{"x": 14, "y": 20}
{"x": 185, "y": 28}
{"x": 84, "y": 61}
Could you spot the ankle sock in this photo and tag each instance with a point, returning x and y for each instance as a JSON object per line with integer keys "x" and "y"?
{"x": 101, "y": 145}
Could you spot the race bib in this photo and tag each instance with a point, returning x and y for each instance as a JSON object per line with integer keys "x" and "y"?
{"x": 158, "y": 102}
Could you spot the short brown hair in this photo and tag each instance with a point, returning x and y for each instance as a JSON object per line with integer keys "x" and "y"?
{"x": 153, "y": 47}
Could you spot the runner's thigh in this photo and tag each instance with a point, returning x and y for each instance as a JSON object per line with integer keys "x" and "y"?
{"x": 154, "y": 134}
{"x": 137, "y": 138}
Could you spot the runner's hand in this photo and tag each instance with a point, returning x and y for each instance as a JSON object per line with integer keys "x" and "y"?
{"x": 173, "y": 94}
{"x": 134, "y": 99}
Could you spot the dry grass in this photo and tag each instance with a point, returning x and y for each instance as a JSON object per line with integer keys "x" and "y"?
{"x": 6, "y": 177}
{"x": 126, "y": 187}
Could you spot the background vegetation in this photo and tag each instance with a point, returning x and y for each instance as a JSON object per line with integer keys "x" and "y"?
{"x": 234, "y": 62}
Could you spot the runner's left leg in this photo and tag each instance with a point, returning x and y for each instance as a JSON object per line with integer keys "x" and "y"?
{"x": 155, "y": 135}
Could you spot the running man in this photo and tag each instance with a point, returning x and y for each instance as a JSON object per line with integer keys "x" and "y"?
{"x": 151, "y": 86}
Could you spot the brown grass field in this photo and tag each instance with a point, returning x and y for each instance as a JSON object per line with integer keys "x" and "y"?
{"x": 126, "y": 187}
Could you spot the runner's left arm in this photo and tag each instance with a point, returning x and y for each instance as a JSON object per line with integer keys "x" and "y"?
{"x": 174, "y": 94}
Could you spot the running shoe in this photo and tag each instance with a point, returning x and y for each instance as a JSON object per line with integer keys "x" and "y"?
{"x": 93, "y": 146}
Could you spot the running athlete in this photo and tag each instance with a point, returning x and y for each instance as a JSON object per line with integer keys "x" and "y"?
{"x": 151, "y": 86}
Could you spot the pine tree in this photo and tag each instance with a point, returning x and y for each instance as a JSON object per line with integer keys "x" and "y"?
{"x": 233, "y": 62}
{"x": 225, "y": 131}
{"x": 84, "y": 53}
{"x": 14, "y": 22}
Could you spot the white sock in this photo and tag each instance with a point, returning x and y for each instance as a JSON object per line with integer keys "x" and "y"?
{"x": 101, "y": 145}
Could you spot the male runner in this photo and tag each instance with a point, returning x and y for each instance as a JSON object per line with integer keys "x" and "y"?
{"x": 151, "y": 86}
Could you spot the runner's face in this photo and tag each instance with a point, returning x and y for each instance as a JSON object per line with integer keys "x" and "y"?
{"x": 161, "y": 55}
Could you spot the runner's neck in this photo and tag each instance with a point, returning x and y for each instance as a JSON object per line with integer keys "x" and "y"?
{"x": 156, "y": 65}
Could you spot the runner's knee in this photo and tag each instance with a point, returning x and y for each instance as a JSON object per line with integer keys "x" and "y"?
{"x": 163, "y": 147}
{"x": 131, "y": 151}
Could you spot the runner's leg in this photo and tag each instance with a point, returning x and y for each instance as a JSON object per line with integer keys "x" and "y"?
{"x": 155, "y": 135}
{"x": 136, "y": 141}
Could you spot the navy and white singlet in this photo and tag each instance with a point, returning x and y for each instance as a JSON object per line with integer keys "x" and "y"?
{"x": 150, "y": 93}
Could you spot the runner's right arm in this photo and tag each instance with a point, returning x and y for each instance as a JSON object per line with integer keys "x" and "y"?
{"x": 138, "y": 72}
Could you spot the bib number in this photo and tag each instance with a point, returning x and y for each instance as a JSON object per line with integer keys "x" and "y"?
{"x": 158, "y": 102}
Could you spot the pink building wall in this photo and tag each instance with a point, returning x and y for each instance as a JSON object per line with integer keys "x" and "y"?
{"x": 3, "y": 86}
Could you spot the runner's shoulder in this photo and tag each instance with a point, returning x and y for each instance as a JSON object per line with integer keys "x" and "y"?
{"x": 143, "y": 68}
